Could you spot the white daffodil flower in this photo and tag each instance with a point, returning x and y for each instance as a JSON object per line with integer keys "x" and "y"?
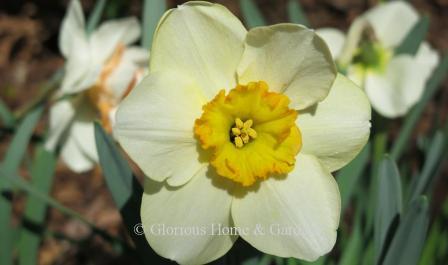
{"x": 393, "y": 82}
{"x": 238, "y": 132}
{"x": 100, "y": 70}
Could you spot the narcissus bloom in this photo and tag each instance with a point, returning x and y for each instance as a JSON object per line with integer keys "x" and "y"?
{"x": 100, "y": 70}
{"x": 240, "y": 129}
{"x": 393, "y": 82}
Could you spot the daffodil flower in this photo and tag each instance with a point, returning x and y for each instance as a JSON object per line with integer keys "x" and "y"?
{"x": 240, "y": 130}
{"x": 393, "y": 82}
{"x": 100, "y": 70}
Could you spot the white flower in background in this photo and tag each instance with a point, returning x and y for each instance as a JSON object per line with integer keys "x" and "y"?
{"x": 393, "y": 82}
{"x": 238, "y": 128}
{"x": 100, "y": 70}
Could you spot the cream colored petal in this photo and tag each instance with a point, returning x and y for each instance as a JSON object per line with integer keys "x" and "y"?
{"x": 334, "y": 38}
{"x": 196, "y": 210}
{"x": 82, "y": 130}
{"x": 122, "y": 78}
{"x": 73, "y": 26}
{"x": 61, "y": 116}
{"x": 354, "y": 36}
{"x": 126, "y": 74}
{"x": 290, "y": 59}
{"x": 154, "y": 124}
{"x": 392, "y": 21}
{"x": 137, "y": 55}
{"x": 299, "y": 214}
{"x": 401, "y": 86}
{"x": 74, "y": 157}
{"x": 427, "y": 59}
{"x": 80, "y": 73}
{"x": 201, "y": 40}
{"x": 337, "y": 128}
{"x": 105, "y": 40}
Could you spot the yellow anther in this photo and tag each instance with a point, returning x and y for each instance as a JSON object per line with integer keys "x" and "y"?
{"x": 248, "y": 124}
{"x": 252, "y": 133}
{"x": 236, "y": 131}
{"x": 238, "y": 142}
{"x": 242, "y": 132}
{"x": 239, "y": 123}
{"x": 245, "y": 138}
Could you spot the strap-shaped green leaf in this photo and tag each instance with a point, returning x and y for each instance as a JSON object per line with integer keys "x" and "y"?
{"x": 6, "y": 116}
{"x": 42, "y": 172}
{"x": 95, "y": 17}
{"x": 349, "y": 175}
{"x": 388, "y": 206}
{"x": 251, "y": 14}
{"x": 407, "y": 244}
{"x": 9, "y": 167}
{"x": 152, "y": 12}
{"x": 414, "y": 38}
{"x": 296, "y": 14}
{"x": 432, "y": 162}
{"x": 126, "y": 192}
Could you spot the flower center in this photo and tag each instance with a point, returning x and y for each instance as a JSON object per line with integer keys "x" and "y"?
{"x": 102, "y": 98}
{"x": 371, "y": 55}
{"x": 242, "y": 132}
{"x": 251, "y": 133}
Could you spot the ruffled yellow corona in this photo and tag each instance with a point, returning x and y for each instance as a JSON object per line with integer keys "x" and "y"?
{"x": 251, "y": 133}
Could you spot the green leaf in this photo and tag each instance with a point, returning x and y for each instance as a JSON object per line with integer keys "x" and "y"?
{"x": 352, "y": 253}
{"x": 152, "y": 12}
{"x": 251, "y": 14}
{"x": 6, "y": 116}
{"x": 19, "y": 143}
{"x": 126, "y": 192}
{"x": 18, "y": 183}
{"x": 411, "y": 120}
{"x": 296, "y": 14}
{"x": 407, "y": 244}
{"x": 430, "y": 251}
{"x": 388, "y": 206}
{"x": 9, "y": 166}
{"x": 414, "y": 38}
{"x": 42, "y": 172}
{"x": 95, "y": 17}
{"x": 432, "y": 162}
{"x": 349, "y": 175}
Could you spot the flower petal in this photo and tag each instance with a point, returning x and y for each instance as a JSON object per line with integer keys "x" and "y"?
{"x": 73, "y": 26}
{"x": 105, "y": 40}
{"x": 61, "y": 116}
{"x": 74, "y": 157}
{"x": 305, "y": 205}
{"x": 392, "y": 21}
{"x": 125, "y": 76}
{"x": 201, "y": 40}
{"x": 337, "y": 128}
{"x": 198, "y": 207}
{"x": 290, "y": 59}
{"x": 80, "y": 73}
{"x": 82, "y": 130}
{"x": 155, "y": 126}
{"x": 334, "y": 38}
{"x": 394, "y": 92}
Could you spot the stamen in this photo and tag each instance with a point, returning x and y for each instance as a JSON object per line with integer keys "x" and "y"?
{"x": 243, "y": 132}
{"x": 238, "y": 142}
{"x": 236, "y": 131}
